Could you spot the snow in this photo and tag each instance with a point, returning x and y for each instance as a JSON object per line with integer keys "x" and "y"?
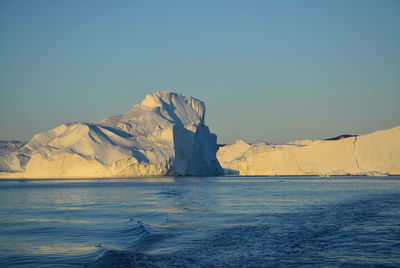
{"x": 163, "y": 135}
{"x": 10, "y": 146}
{"x": 374, "y": 153}
{"x": 166, "y": 134}
{"x": 9, "y": 160}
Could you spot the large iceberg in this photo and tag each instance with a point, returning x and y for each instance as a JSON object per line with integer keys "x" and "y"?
{"x": 375, "y": 154}
{"x": 163, "y": 135}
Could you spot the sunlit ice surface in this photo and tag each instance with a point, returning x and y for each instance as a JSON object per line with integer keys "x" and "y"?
{"x": 200, "y": 222}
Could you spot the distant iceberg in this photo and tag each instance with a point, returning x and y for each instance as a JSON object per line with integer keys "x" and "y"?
{"x": 373, "y": 154}
{"x": 163, "y": 135}
{"x": 166, "y": 135}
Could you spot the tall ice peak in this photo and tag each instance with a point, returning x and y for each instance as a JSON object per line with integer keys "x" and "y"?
{"x": 156, "y": 99}
{"x": 164, "y": 98}
{"x": 171, "y": 106}
{"x": 163, "y": 135}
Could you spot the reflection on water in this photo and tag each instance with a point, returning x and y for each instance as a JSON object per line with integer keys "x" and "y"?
{"x": 200, "y": 222}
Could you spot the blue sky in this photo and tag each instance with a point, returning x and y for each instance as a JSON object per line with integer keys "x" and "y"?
{"x": 267, "y": 70}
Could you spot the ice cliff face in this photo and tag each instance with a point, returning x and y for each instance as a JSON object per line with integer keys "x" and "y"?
{"x": 377, "y": 153}
{"x": 163, "y": 135}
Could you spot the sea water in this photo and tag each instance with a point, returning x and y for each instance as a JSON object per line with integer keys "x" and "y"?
{"x": 201, "y": 222}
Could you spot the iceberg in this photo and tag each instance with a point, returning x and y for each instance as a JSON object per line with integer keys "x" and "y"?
{"x": 163, "y": 135}
{"x": 373, "y": 154}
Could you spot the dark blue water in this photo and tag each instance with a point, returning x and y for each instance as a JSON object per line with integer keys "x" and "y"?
{"x": 201, "y": 222}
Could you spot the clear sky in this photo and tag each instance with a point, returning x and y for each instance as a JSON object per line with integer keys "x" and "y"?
{"x": 267, "y": 70}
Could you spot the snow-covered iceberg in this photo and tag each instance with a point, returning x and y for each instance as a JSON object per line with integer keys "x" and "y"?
{"x": 163, "y": 135}
{"x": 374, "y": 154}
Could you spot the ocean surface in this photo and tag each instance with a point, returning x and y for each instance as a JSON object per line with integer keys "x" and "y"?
{"x": 201, "y": 222}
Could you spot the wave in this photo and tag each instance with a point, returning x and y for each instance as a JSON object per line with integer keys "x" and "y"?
{"x": 335, "y": 235}
{"x": 361, "y": 233}
{"x": 142, "y": 238}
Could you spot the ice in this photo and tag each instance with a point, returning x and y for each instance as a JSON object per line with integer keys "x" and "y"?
{"x": 373, "y": 153}
{"x": 163, "y": 135}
